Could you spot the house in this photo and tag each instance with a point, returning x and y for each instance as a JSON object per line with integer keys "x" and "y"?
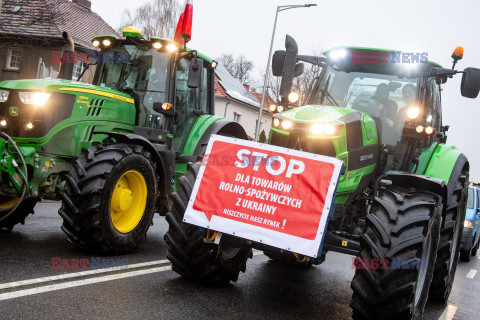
{"x": 235, "y": 102}
{"x": 31, "y": 36}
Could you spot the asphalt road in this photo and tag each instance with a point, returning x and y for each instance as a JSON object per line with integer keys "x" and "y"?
{"x": 149, "y": 289}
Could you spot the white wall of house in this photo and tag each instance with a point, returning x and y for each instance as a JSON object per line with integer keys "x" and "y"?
{"x": 245, "y": 115}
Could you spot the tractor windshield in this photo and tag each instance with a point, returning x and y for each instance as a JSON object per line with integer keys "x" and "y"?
{"x": 140, "y": 72}
{"x": 382, "y": 96}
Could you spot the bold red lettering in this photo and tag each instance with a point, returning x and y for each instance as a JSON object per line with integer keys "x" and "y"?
{"x": 375, "y": 57}
{"x": 384, "y": 56}
{"x": 74, "y": 265}
{"x": 56, "y": 56}
{"x": 65, "y": 263}
{"x": 365, "y": 58}
{"x": 55, "y": 263}
{"x": 84, "y": 263}
{"x": 357, "y": 263}
{"x": 356, "y": 56}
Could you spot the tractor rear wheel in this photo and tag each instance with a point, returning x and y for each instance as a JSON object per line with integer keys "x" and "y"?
{"x": 191, "y": 256}
{"x": 449, "y": 247}
{"x": 18, "y": 215}
{"x": 397, "y": 256}
{"x": 465, "y": 255}
{"x": 475, "y": 249}
{"x": 109, "y": 198}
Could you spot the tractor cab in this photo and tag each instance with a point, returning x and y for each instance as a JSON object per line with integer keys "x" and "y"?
{"x": 171, "y": 86}
{"x": 365, "y": 106}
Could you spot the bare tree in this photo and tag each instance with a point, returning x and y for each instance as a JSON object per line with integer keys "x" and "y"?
{"x": 240, "y": 66}
{"x": 156, "y": 18}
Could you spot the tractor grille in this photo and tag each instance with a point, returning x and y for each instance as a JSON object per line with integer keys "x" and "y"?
{"x": 17, "y": 114}
{"x": 95, "y": 109}
{"x": 297, "y": 139}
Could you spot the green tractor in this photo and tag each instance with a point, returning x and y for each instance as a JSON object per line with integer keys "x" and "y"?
{"x": 110, "y": 151}
{"x": 399, "y": 205}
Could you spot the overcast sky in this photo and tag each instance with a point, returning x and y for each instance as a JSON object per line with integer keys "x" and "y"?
{"x": 436, "y": 27}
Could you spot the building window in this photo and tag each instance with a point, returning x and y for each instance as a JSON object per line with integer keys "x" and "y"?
{"x": 14, "y": 58}
{"x": 77, "y": 70}
{"x": 236, "y": 117}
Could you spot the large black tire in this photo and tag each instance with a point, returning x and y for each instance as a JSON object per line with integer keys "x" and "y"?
{"x": 92, "y": 219}
{"x": 448, "y": 249}
{"x": 465, "y": 255}
{"x": 475, "y": 249}
{"x": 191, "y": 257}
{"x": 403, "y": 227}
{"x": 18, "y": 216}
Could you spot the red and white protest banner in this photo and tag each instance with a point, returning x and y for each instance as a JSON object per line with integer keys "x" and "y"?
{"x": 269, "y": 194}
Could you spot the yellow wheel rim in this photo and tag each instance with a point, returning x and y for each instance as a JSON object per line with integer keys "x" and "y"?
{"x": 128, "y": 202}
{"x": 7, "y": 203}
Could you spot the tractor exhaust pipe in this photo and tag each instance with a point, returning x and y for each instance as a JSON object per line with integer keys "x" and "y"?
{"x": 66, "y": 69}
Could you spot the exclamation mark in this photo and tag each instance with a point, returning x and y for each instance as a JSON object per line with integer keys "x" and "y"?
{"x": 284, "y": 221}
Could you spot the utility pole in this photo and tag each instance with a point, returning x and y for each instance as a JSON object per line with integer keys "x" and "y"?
{"x": 265, "y": 81}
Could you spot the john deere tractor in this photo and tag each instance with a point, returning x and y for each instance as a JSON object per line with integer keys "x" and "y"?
{"x": 399, "y": 205}
{"x": 110, "y": 151}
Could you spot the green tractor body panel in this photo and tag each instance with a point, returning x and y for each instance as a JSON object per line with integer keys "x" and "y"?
{"x": 60, "y": 133}
{"x": 200, "y": 126}
{"x": 343, "y": 144}
{"x": 75, "y": 116}
{"x": 438, "y": 161}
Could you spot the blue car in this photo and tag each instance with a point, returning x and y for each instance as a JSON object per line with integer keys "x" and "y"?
{"x": 471, "y": 227}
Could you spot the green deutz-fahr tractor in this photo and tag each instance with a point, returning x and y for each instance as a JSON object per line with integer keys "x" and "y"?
{"x": 400, "y": 203}
{"x": 111, "y": 151}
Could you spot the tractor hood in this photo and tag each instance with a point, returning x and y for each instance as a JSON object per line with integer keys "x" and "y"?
{"x": 65, "y": 86}
{"x": 316, "y": 113}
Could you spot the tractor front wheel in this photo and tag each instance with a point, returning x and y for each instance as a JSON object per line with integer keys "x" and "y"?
{"x": 397, "y": 256}
{"x": 109, "y": 198}
{"x": 7, "y": 219}
{"x": 191, "y": 256}
{"x": 449, "y": 247}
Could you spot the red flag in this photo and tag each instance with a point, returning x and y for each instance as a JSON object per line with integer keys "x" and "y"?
{"x": 183, "y": 33}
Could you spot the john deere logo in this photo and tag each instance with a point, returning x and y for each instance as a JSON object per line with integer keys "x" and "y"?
{"x": 13, "y": 111}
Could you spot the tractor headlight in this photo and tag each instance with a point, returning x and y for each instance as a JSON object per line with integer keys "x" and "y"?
{"x": 157, "y": 45}
{"x": 3, "y": 122}
{"x": 468, "y": 224}
{"x": 413, "y": 113}
{"x": 279, "y": 108}
{"x": 286, "y": 124}
{"x": 35, "y": 98}
{"x": 171, "y": 47}
{"x": 272, "y": 108}
{"x": 316, "y": 129}
{"x": 338, "y": 54}
{"x": 326, "y": 129}
{"x": 95, "y": 43}
{"x": 29, "y": 125}
{"x": 276, "y": 122}
{"x": 4, "y": 95}
{"x": 293, "y": 97}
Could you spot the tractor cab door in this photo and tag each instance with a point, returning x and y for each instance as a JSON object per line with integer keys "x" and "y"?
{"x": 190, "y": 103}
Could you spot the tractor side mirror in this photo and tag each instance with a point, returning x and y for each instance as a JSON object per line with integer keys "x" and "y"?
{"x": 470, "y": 83}
{"x": 299, "y": 69}
{"x": 195, "y": 73}
{"x": 288, "y": 71}
{"x": 278, "y": 60}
